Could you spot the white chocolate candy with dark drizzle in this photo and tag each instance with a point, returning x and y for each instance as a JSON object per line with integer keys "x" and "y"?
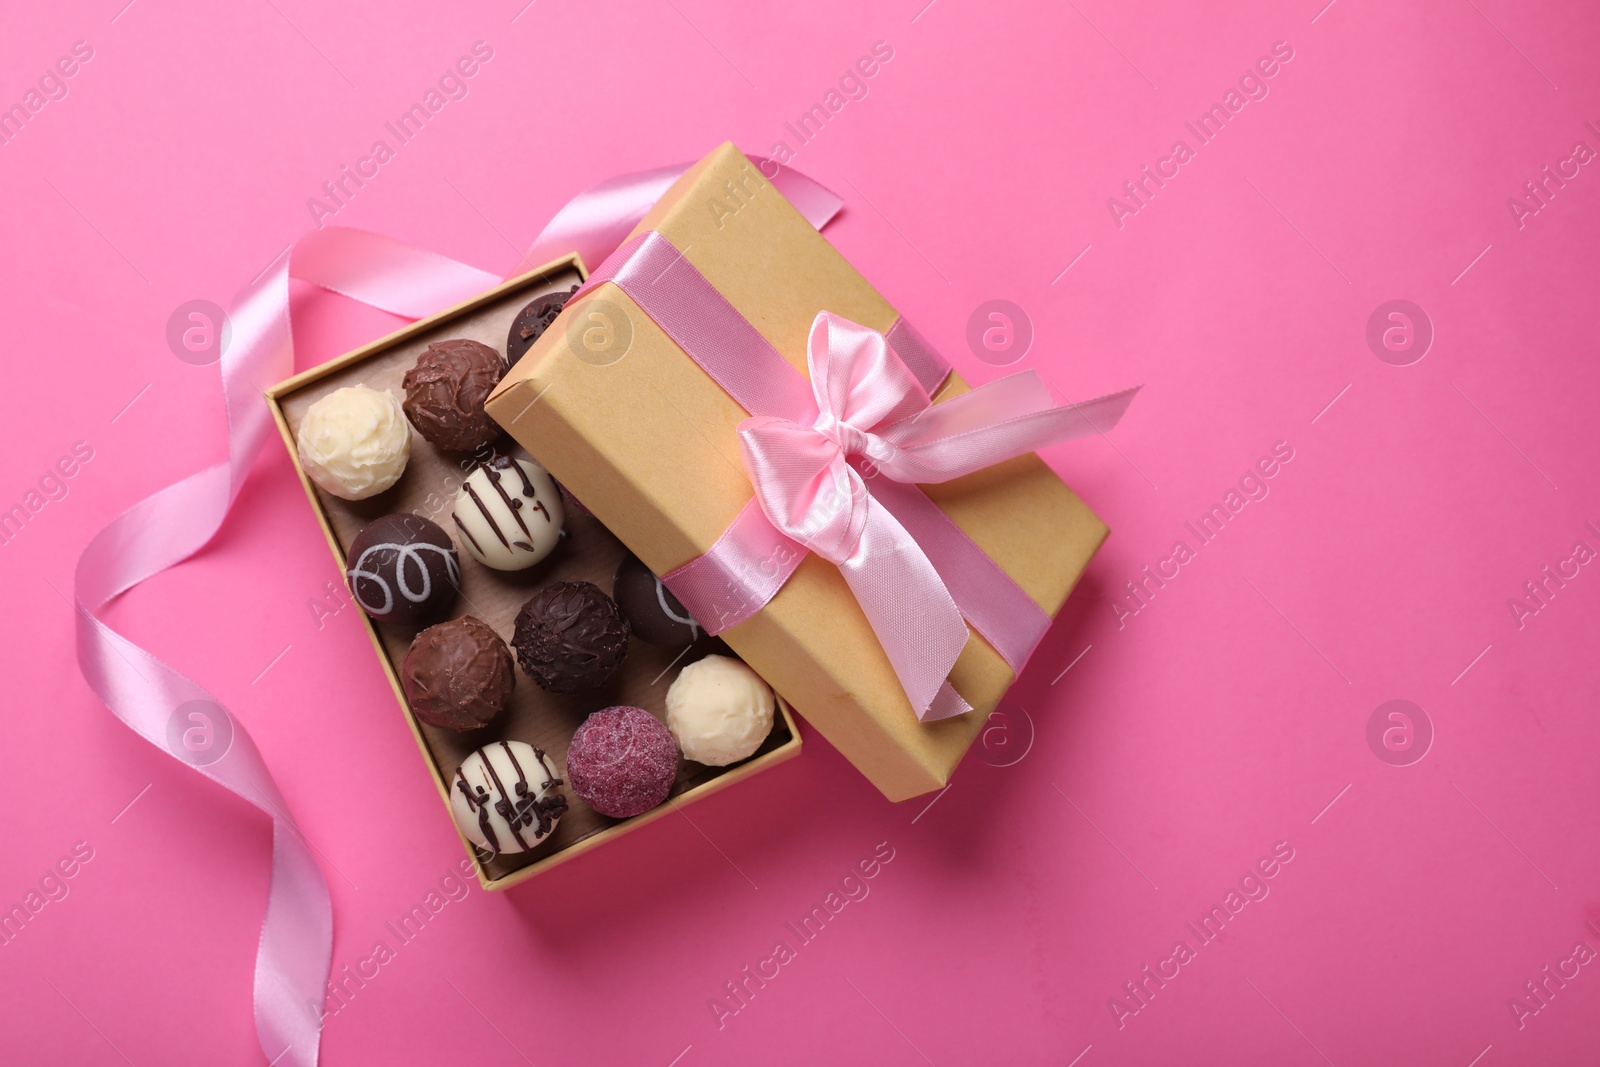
{"x": 509, "y": 513}
{"x": 506, "y": 797}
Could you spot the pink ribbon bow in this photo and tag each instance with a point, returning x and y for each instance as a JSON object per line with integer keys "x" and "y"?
{"x": 874, "y": 418}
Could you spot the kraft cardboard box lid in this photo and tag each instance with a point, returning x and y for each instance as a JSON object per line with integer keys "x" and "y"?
{"x": 648, "y": 442}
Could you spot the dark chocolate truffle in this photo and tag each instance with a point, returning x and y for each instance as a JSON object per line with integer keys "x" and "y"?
{"x": 532, "y": 321}
{"x": 570, "y": 637}
{"x": 458, "y": 674}
{"x": 445, "y": 392}
{"x": 652, "y": 611}
{"x": 622, "y": 762}
{"x": 403, "y": 569}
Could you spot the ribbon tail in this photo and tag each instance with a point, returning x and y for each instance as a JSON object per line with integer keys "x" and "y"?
{"x": 990, "y": 599}
{"x": 811, "y": 198}
{"x": 160, "y": 703}
{"x": 596, "y": 221}
{"x": 296, "y": 941}
{"x": 947, "y": 704}
{"x": 296, "y": 950}
{"x": 989, "y": 425}
{"x": 401, "y": 279}
{"x": 911, "y": 612}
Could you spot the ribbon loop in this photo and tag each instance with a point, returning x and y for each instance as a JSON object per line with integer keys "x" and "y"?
{"x": 856, "y": 377}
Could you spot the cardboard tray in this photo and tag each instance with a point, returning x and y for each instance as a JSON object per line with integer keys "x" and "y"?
{"x": 590, "y": 553}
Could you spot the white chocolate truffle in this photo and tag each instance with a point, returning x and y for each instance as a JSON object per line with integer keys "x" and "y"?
{"x": 506, "y": 797}
{"x": 719, "y": 711}
{"x": 355, "y": 442}
{"x": 509, "y": 513}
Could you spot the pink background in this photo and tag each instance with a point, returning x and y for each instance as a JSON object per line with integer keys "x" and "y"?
{"x": 1223, "y": 718}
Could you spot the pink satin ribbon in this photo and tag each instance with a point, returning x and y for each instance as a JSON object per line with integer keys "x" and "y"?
{"x": 865, "y": 411}
{"x": 596, "y": 221}
{"x": 293, "y": 956}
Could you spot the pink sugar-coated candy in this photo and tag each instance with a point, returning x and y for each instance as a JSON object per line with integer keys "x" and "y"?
{"x": 622, "y": 761}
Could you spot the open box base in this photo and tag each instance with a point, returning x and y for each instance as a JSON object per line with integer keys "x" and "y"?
{"x": 589, "y": 552}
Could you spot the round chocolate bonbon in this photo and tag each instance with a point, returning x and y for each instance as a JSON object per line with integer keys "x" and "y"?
{"x": 509, "y": 512}
{"x": 458, "y": 674}
{"x": 532, "y": 321}
{"x": 445, "y": 391}
{"x": 622, "y": 762}
{"x": 506, "y": 797}
{"x": 719, "y": 711}
{"x": 403, "y": 569}
{"x": 653, "y": 613}
{"x": 354, "y": 442}
{"x": 570, "y": 637}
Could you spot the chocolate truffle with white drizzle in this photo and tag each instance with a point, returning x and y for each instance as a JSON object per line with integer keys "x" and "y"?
{"x": 652, "y": 611}
{"x": 403, "y": 569}
{"x": 509, "y": 513}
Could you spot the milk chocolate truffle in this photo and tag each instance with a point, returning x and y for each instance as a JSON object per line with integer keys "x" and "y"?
{"x": 622, "y": 762}
{"x": 653, "y": 613}
{"x": 570, "y": 637}
{"x": 354, "y": 442}
{"x": 719, "y": 711}
{"x": 458, "y": 674}
{"x": 403, "y": 569}
{"x": 532, "y": 321}
{"x": 509, "y": 513}
{"x": 445, "y": 392}
{"x": 506, "y": 797}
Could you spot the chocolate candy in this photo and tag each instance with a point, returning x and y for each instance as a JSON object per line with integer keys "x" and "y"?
{"x": 570, "y": 637}
{"x": 458, "y": 674}
{"x": 445, "y": 392}
{"x": 354, "y": 442}
{"x": 622, "y": 762}
{"x": 506, "y": 797}
{"x": 509, "y": 513}
{"x": 653, "y": 613}
{"x": 532, "y": 321}
{"x": 403, "y": 569}
{"x": 719, "y": 711}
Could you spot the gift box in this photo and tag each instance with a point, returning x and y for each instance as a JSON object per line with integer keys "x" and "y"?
{"x": 589, "y": 553}
{"x": 620, "y": 411}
